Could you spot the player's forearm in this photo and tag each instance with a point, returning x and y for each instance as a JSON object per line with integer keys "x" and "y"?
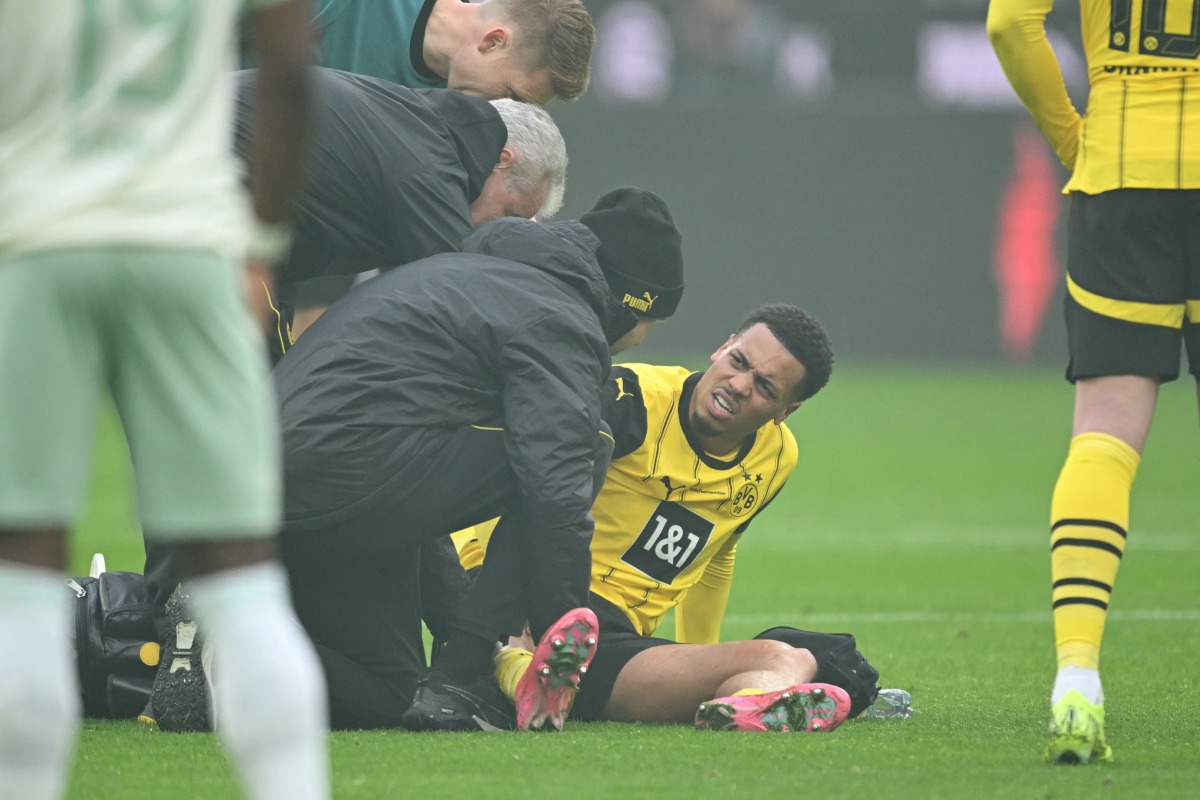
{"x": 1018, "y": 32}
{"x": 698, "y": 618}
{"x": 283, "y": 114}
{"x": 699, "y": 615}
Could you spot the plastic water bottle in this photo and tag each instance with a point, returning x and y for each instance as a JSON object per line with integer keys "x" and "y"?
{"x": 890, "y": 704}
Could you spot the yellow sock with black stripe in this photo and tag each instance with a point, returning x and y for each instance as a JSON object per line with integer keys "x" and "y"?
{"x": 1089, "y": 517}
{"x": 511, "y": 663}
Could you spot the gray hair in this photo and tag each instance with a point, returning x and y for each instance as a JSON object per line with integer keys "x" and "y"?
{"x": 539, "y": 152}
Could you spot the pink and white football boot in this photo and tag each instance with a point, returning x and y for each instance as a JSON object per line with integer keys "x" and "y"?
{"x": 804, "y": 707}
{"x": 547, "y": 689}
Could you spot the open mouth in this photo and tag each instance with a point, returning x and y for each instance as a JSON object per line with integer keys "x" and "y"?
{"x": 721, "y": 406}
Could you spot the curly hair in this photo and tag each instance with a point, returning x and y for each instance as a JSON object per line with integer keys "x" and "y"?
{"x": 803, "y": 337}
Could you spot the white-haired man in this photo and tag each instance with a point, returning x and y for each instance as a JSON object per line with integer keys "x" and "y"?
{"x": 398, "y": 175}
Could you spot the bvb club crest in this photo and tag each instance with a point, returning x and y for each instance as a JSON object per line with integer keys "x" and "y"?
{"x": 745, "y": 501}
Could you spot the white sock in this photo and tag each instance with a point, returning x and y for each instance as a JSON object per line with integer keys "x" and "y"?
{"x": 1083, "y": 680}
{"x": 39, "y": 693}
{"x": 268, "y": 689}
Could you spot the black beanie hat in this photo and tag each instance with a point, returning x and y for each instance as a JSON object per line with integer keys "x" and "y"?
{"x": 641, "y": 250}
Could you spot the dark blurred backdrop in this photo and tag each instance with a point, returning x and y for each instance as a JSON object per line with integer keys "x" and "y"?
{"x": 865, "y": 159}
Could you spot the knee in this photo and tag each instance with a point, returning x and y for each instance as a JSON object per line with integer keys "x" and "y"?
{"x": 797, "y": 664}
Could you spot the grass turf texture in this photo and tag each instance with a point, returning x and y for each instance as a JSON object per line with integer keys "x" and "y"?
{"x": 918, "y": 521}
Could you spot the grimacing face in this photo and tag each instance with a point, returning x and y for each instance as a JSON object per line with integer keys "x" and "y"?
{"x": 752, "y": 381}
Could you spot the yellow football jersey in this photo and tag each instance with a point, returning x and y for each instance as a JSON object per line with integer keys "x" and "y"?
{"x": 670, "y": 515}
{"x": 1142, "y": 125}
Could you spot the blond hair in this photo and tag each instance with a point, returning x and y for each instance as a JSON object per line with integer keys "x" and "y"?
{"x": 555, "y": 35}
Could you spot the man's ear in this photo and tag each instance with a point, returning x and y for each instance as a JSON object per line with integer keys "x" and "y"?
{"x": 717, "y": 353}
{"x": 787, "y": 412}
{"x": 496, "y": 38}
{"x": 506, "y": 158}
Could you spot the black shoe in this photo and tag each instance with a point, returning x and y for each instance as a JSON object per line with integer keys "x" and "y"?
{"x": 477, "y": 706}
{"x": 179, "y": 699}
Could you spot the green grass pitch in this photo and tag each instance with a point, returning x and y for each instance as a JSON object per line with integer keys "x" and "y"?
{"x": 918, "y": 521}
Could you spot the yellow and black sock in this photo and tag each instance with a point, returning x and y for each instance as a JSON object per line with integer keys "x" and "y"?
{"x": 511, "y": 663}
{"x": 1089, "y": 518}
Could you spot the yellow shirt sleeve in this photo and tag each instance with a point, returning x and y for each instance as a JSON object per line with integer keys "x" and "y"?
{"x": 699, "y": 614}
{"x": 1017, "y": 29}
{"x": 471, "y": 543}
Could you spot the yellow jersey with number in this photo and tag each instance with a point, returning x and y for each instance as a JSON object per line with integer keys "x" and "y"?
{"x": 1142, "y": 124}
{"x": 670, "y": 516}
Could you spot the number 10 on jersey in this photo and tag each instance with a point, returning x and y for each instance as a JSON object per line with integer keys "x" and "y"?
{"x": 1155, "y": 40}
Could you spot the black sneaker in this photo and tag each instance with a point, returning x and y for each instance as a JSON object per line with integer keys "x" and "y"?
{"x": 179, "y": 700}
{"x": 477, "y": 706}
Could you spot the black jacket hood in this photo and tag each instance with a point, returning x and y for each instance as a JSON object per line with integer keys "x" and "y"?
{"x": 565, "y": 249}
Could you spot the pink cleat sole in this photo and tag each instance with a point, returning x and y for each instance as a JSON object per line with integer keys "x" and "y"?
{"x": 548, "y": 687}
{"x": 804, "y": 707}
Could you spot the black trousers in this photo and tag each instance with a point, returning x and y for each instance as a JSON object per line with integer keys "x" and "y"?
{"x": 361, "y": 574}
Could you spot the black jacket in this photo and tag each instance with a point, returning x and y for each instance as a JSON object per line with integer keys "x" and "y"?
{"x": 513, "y": 332}
{"x": 392, "y": 174}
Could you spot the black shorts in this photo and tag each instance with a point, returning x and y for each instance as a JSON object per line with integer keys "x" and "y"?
{"x": 1133, "y": 291}
{"x": 619, "y": 643}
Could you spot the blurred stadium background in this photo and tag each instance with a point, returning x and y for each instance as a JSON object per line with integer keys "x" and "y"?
{"x": 864, "y": 159}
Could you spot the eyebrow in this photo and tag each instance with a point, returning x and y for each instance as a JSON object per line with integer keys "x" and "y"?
{"x": 758, "y": 376}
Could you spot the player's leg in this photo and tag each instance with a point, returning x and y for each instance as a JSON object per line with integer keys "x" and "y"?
{"x": 50, "y": 358}
{"x": 357, "y": 597}
{"x": 460, "y": 692}
{"x": 567, "y": 645}
{"x": 838, "y": 662}
{"x": 636, "y": 678}
{"x": 613, "y": 651}
{"x": 523, "y": 580}
{"x": 1089, "y": 525}
{"x": 39, "y": 694}
{"x": 667, "y": 684}
{"x": 354, "y": 564}
{"x": 527, "y": 577}
{"x": 1124, "y": 312}
{"x": 192, "y": 391}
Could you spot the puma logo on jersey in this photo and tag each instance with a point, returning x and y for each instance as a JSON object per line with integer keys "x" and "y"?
{"x": 666, "y": 481}
{"x": 621, "y": 389}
